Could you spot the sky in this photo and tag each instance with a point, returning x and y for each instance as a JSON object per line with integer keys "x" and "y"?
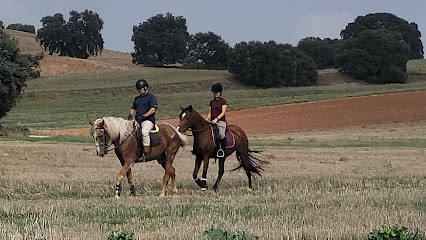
{"x": 284, "y": 21}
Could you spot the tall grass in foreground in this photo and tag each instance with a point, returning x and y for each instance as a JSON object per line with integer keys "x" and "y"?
{"x": 63, "y": 191}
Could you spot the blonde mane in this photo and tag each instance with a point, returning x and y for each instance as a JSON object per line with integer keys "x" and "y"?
{"x": 117, "y": 128}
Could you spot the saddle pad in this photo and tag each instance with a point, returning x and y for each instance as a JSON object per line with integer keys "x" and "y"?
{"x": 230, "y": 139}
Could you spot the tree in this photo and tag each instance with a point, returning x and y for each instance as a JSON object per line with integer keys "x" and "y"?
{"x": 322, "y": 51}
{"x": 80, "y": 37}
{"x": 22, "y": 27}
{"x": 160, "y": 40}
{"x": 1, "y": 25}
{"x": 375, "y": 56}
{"x": 14, "y": 71}
{"x": 409, "y": 31}
{"x": 207, "y": 50}
{"x": 271, "y": 65}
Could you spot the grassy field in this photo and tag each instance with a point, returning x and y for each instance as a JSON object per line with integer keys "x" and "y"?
{"x": 63, "y": 191}
{"x": 66, "y": 101}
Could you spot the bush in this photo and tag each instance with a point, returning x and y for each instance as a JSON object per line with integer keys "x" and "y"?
{"x": 219, "y": 234}
{"x": 121, "y": 236}
{"x": 271, "y": 65}
{"x": 394, "y": 233}
{"x": 22, "y": 27}
{"x": 375, "y": 56}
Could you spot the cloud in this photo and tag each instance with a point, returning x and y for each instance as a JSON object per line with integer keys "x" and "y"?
{"x": 323, "y": 25}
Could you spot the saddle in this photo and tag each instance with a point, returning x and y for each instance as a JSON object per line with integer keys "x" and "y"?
{"x": 230, "y": 139}
{"x": 154, "y": 136}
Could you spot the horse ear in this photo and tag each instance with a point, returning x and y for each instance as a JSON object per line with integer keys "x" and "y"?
{"x": 181, "y": 108}
{"x": 190, "y": 107}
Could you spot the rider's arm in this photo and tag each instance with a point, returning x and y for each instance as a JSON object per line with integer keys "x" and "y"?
{"x": 209, "y": 115}
{"x": 224, "y": 107}
{"x": 149, "y": 113}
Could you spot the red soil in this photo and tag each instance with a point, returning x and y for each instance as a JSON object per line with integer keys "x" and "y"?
{"x": 335, "y": 113}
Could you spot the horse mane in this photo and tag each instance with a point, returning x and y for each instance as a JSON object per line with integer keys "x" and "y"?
{"x": 117, "y": 128}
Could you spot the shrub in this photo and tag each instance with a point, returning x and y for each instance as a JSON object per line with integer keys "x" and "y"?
{"x": 271, "y": 65}
{"x": 121, "y": 236}
{"x": 219, "y": 234}
{"x": 393, "y": 233}
{"x": 22, "y": 27}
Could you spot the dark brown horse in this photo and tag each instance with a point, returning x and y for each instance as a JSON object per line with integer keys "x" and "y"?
{"x": 121, "y": 133}
{"x": 204, "y": 148}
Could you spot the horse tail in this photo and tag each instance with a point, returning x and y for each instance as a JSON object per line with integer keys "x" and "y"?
{"x": 254, "y": 162}
{"x": 183, "y": 138}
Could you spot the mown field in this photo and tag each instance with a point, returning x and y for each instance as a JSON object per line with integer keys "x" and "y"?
{"x": 331, "y": 190}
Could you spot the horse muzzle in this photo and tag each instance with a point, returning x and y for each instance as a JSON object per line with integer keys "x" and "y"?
{"x": 181, "y": 130}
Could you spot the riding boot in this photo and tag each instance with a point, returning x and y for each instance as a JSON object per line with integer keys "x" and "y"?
{"x": 221, "y": 151}
{"x": 146, "y": 153}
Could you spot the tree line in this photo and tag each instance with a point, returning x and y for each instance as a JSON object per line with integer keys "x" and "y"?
{"x": 374, "y": 48}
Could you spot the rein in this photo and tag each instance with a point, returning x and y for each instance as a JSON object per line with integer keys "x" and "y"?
{"x": 105, "y": 142}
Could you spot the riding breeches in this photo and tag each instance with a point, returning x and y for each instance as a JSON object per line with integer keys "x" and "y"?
{"x": 147, "y": 126}
{"x": 221, "y": 125}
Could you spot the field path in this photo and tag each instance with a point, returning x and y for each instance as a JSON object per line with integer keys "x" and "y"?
{"x": 325, "y": 114}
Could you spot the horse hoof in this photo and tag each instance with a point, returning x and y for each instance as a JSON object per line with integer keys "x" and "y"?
{"x": 203, "y": 189}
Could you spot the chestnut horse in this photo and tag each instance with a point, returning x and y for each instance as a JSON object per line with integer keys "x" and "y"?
{"x": 121, "y": 133}
{"x": 204, "y": 148}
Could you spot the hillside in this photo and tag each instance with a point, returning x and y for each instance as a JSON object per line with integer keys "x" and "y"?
{"x": 52, "y": 65}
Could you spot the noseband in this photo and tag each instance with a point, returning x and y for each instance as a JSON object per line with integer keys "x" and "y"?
{"x": 105, "y": 145}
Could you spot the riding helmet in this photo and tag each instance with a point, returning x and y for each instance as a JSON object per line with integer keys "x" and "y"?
{"x": 216, "y": 88}
{"x": 141, "y": 83}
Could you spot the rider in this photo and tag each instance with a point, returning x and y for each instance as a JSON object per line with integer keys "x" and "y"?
{"x": 216, "y": 115}
{"x": 143, "y": 108}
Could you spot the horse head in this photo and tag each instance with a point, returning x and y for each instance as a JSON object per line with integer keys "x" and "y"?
{"x": 185, "y": 119}
{"x": 101, "y": 136}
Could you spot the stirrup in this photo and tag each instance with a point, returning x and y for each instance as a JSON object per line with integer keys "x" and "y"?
{"x": 220, "y": 153}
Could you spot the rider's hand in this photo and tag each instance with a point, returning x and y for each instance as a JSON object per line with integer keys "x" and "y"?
{"x": 214, "y": 121}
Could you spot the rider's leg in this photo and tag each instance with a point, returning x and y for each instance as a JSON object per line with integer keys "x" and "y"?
{"x": 146, "y": 128}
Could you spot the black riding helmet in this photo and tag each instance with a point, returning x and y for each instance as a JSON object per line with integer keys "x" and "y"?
{"x": 141, "y": 83}
{"x": 216, "y": 88}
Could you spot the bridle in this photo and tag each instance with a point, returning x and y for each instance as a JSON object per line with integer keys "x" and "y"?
{"x": 105, "y": 145}
{"x": 183, "y": 130}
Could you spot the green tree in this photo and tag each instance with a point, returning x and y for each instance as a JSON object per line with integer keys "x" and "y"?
{"x": 322, "y": 51}
{"x": 409, "y": 31}
{"x": 80, "y": 37}
{"x": 160, "y": 40}
{"x": 15, "y": 69}
{"x": 22, "y": 27}
{"x": 207, "y": 50}
{"x": 271, "y": 65}
{"x": 375, "y": 56}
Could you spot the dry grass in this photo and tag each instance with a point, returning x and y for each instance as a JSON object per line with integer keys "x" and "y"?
{"x": 63, "y": 191}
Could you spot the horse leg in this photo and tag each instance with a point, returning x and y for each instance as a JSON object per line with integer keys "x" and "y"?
{"x": 130, "y": 181}
{"x": 221, "y": 171}
{"x": 204, "y": 176}
{"x": 198, "y": 161}
{"x": 124, "y": 170}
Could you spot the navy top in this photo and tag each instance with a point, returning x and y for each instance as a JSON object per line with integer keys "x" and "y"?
{"x": 142, "y": 104}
